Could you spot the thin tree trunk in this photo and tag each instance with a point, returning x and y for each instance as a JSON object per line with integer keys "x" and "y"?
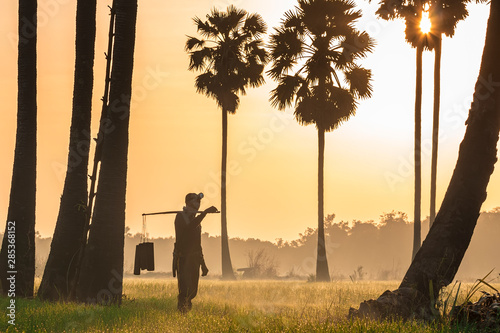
{"x": 227, "y": 268}
{"x": 66, "y": 242}
{"x": 437, "y": 262}
{"x": 418, "y": 155}
{"x": 101, "y": 277}
{"x": 435, "y": 128}
{"x": 21, "y": 212}
{"x": 322, "y": 272}
{"x": 98, "y": 151}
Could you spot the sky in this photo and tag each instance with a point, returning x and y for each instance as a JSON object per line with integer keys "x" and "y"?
{"x": 175, "y": 133}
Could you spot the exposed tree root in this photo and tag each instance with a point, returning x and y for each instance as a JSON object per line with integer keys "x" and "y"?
{"x": 402, "y": 303}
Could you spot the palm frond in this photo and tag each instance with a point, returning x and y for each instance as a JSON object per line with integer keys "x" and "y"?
{"x": 199, "y": 59}
{"x": 390, "y": 9}
{"x": 194, "y": 42}
{"x": 205, "y": 29}
{"x": 285, "y": 47}
{"x": 359, "y": 82}
{"x": 293, "y": 21}
{"x": 256, "y": 51}
{"x": 306, "y": 111}
{"x": 318, "y": 68}
{"x": 228, "y": 101}
{"x": 313, "y": 16}
{"x": 254, "y": 25}
{"x": 206, "y": 84}
{"x": 340, "y": 106}
{"x": 283, "y": 95}
{"x": 285, "y": 43}
{"x": 446, "y": 17}
{"x": 252, "y": 72}
{"x": 356, "y": 45}
{"x": 228, "y": 21}
{"x": 281, "y": 67}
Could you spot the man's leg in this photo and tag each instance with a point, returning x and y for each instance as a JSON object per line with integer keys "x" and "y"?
{"x": 193, "y": 270}
{"x": 182, "y": 284}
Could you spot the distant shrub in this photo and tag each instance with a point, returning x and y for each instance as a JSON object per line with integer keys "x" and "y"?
{"x": 358, "y": 274}
{"x": 260, "y": 266}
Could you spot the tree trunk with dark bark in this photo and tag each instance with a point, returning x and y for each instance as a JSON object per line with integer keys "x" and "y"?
{"x": 227, "y": 267}
{"x": 439, "y": 258}
{"x": 17, "y": 256}
{"x": 418, "y": 155}
{"x": 101, "y": 277}
{"x": 435, "y": 128}
{"x": 322, "y": 272}
{"x": 66, "y": 243}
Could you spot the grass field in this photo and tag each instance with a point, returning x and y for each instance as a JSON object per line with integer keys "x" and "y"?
{"x": 239, "y": 306}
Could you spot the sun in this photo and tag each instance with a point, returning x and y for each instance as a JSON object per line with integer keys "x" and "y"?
{"x": 425, "y": 22}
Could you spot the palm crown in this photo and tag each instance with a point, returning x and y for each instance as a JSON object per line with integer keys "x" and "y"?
{"x": 319, "y": 39}
{"x": 230, "y": 55}
{"x": 444, "y": 15}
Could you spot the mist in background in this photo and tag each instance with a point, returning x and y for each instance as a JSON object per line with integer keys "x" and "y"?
{"x": 357, "y": 250}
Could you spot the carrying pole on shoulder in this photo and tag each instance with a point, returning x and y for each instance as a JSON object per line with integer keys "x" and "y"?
{"x": 175, "y": 212}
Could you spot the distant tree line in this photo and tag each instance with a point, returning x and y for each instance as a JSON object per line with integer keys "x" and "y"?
{"x": 382, "y": 248}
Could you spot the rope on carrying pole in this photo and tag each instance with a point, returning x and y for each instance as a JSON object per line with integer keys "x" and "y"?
{"x": 144, "y": 236}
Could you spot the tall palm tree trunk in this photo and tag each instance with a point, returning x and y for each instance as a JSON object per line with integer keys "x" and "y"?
{"x": 97, "y": 153}
{"x": 66, "y": 242}
{"x": 435, "y": 128}
{"x": 322, "y": 272}
{"x": 21, "y": 211}
{"x": 437, "y": 262}
{"x": 101, "y": 277}
{"x": 452, "y": 230}
{"x": 227, "y": 268}
{"x": 418, "y": 154}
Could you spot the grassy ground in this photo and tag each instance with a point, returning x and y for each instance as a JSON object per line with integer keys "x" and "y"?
{"x": 240, "y": 306}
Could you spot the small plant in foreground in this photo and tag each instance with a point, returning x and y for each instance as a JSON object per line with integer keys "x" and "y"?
{"x": 485, "y": 313}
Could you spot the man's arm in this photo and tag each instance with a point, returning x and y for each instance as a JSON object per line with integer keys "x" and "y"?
{"x": 197, "y": 220}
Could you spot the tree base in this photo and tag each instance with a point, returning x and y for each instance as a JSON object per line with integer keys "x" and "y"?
{"x": 403, "y": 303}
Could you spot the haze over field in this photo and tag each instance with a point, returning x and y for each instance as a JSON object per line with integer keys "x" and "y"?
{"x": 382, "y": 250}
{"x": 175, "y": 132}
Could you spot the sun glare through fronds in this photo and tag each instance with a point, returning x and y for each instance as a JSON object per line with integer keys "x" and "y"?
{"x": 425, "y": 23}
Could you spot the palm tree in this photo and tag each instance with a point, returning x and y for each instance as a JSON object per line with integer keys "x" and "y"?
{"x": 439, "y": 258}
{"x": 444, "y": 15}
{"x": 101, "y": 276}
{"x": 317, "y": 40}
{"x": 21, "y": 212}
{"x": 411, "y": 11}
{"x": 68, "y": 234}
{"x": 231, "y": 57}
{"x": 435, "y": 128}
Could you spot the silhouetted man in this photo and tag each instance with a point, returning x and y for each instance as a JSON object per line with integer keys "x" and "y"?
{"x": 188, "y": 255}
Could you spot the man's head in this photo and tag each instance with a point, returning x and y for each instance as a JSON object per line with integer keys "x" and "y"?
{"x": 193, "y": 200}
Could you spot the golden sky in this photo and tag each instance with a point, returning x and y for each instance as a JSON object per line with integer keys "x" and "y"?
{"x": 175, "y": 133}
